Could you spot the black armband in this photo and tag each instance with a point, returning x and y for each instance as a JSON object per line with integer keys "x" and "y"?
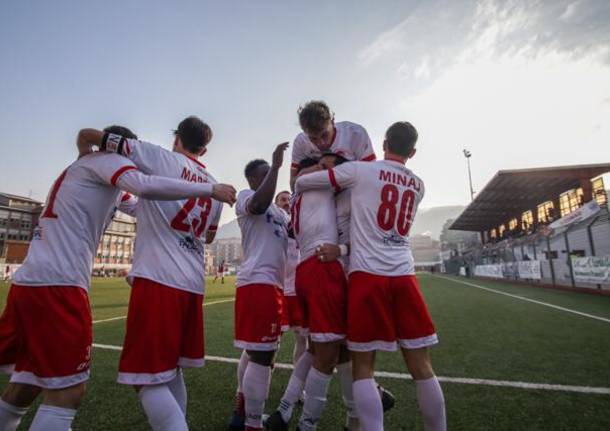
{"x": 112, "y": 143}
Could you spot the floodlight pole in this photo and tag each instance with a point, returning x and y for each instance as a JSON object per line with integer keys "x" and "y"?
{"x": 468, "y": 154}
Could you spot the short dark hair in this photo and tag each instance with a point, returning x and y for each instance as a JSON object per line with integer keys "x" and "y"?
{"x": 194, "y": 134}
{"x": 401, "y": 138}
{"x": 122, "y": 131}
{"x": 252, "y": 165}
{"x": 314, "y": 116}
{"x": 339, "y": 159}
{"x": 306, "y": 163}
{"x": 283, "y": 191}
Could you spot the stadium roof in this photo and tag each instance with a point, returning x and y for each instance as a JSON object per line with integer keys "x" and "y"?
{"x": 511, "y": 192}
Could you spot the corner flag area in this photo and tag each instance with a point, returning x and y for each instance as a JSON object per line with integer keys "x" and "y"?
{"x": 508, "y": 354}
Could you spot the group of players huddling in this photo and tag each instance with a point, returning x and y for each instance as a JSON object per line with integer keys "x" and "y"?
{"x": 331, "y": 261}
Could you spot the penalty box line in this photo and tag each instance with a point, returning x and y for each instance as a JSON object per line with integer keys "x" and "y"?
{"x": 404, "y": 376}
{"x": 124, "y": 317}
{"x": 545, "y": 304}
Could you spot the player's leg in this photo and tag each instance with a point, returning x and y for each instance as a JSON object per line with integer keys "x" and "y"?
{"x": 58, "y": 408}
{"x": 416, "y": 333}
{"x": 344, "y": 370}
{"x": 237, "y": 421}
{"x": 366, "y": 394}
{"x": 429, "y": 393}
{"x": 256, "y": 384}
{"x": 300, "y": 346}
{"x": 15, "y": 402}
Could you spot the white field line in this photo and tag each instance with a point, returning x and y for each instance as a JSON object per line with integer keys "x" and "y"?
{"x": 461, "y": 380}
{"x": 124, "y": 317}
{"x": 546, "y": 304}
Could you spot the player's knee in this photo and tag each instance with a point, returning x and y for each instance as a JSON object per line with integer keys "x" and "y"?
{"x": 20, "y": 395}
{"x": 69, "y": 398}
{"x": 420, "y": 366}
{"x": 261, "y": 358}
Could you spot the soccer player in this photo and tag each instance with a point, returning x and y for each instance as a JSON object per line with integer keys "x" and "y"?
{"x": 258, "y": 302}
{"x": 321, "y": 134}
{"x": 385, "y": 306}
{"x": 45, "y": 329}
{"x": 165, "y": 317}
{"x": 220, "y": 272}
{"x": 293, "y": 314}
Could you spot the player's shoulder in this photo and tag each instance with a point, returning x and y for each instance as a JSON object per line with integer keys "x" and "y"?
{"x": 352, "y": 128}
{"x": 244, "y": 194}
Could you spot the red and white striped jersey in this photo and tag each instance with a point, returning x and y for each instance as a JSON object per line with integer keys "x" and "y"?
{"x": 170, "y": 235}
{"x": 350, "y": 141}
{"x": 78, "y": 206}
{"x": 385, "y": 196}
{"x": 314, "y": 220}
{"x": 264, "y": 239}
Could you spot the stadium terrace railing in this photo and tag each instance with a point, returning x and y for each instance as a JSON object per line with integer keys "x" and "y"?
{"x": 575, "y": 256}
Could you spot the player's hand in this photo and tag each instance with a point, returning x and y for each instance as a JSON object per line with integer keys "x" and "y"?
{"x": 328, "y": 252}
{"x": 224, "y": 193}
{"x": 309, "y": 170}
{"x": 278, "y": 155}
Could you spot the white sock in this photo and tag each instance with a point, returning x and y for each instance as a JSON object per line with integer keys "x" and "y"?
{"x": 241, "y": 369}
{"x": 316, "y": 387}
{"x": 257, "y": 380}
{"x": 51, "y": 418}
{"x": 295, "y": 386}
{"x": 300, "y": 347}
{"x": 178, "y": 390}
{"x": 10, "y": 416}
{"x": 368, "y": 404}
{"x": 432, "y": 404}
{"x": 162, "y": 409}
{"x": 345, "y": 376}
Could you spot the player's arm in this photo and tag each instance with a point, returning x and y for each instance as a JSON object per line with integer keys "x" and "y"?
{"x": 330, "y": 252}
{"x": 210, "y": 234}
{"x": 168, "y": 189}
{"x": 263, "y": 196}
{"x": 342, "y": 177}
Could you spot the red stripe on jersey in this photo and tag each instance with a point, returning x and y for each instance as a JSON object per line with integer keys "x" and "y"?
{"x": 369, "y": 158}
{"x": 333, "y": 180}
{"x": 125, "y": 197}
{"x": 294, "y": 166}
{"x": 213, "y": 228}
{"x": 120, "y": 172}
{"x": 196, "y": 161}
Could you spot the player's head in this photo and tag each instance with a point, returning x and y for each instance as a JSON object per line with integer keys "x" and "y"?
{"x": 400, "y": 139}
{"x": 255, "y": 172}
{"x": 329, "y": 160}
{"x": 122, "y": 131}
{"x": 282, "y": 200}
{"x": 192, "y": 136}
{"x": 307, "y": 163}
{"x": 318, "y": 123}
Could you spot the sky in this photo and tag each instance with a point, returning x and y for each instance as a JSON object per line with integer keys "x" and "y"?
{"x": 518, "y": 83}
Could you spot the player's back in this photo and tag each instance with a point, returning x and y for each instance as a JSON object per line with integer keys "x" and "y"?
{"x": 314, "y": 220}
{"x": 72, "y": 222}
{"x": 170, "y": 235}
{"x": 385, "y": 197}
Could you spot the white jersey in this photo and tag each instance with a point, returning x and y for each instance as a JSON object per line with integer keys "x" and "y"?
{"x": 292, "y": 260}
{"x": 344, "y": 213}
{"x": 72, "y": 222}
{"x": 170, "y": 235}
{"x": 314, "y": 218}
{"x": 385, "y": 196}
{"x": 350, "y": 141}
{"x": 264, "y": 239}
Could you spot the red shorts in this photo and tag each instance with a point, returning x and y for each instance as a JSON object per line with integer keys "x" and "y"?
{"x": 293, "y": 314}
{"x": 258, "y": 317}
{"x": 164, "y": 331}
{"x": 385, "y": 310}
{"x": 322, "y": 292}
{"x": 45, "y": 336}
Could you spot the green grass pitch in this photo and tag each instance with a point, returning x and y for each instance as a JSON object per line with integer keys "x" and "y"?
{"x": 483, "y": 335}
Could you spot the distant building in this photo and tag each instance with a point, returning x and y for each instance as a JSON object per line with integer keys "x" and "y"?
{"x": 426, "y": 252}
{"x": 115, "y": 251}
{"x": 226, "y": 249}
{"x": 18, "y": 216}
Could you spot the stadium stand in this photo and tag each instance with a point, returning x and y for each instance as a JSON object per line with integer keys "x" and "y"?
{"x": 546, "y": 226}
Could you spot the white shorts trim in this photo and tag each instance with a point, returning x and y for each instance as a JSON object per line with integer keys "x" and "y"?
{"x": 418, "y": 343}
{"x": 285, "y": 328}
{"x": 137, "y": 379}
{"x": 29, "y": 378}
{"x": 191, "y": 362}
{"x": 386, "y": 346}
{"x": 259, "y": 347}
{"x": 7, "y": 369}
{"x": 325, "y": 337}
